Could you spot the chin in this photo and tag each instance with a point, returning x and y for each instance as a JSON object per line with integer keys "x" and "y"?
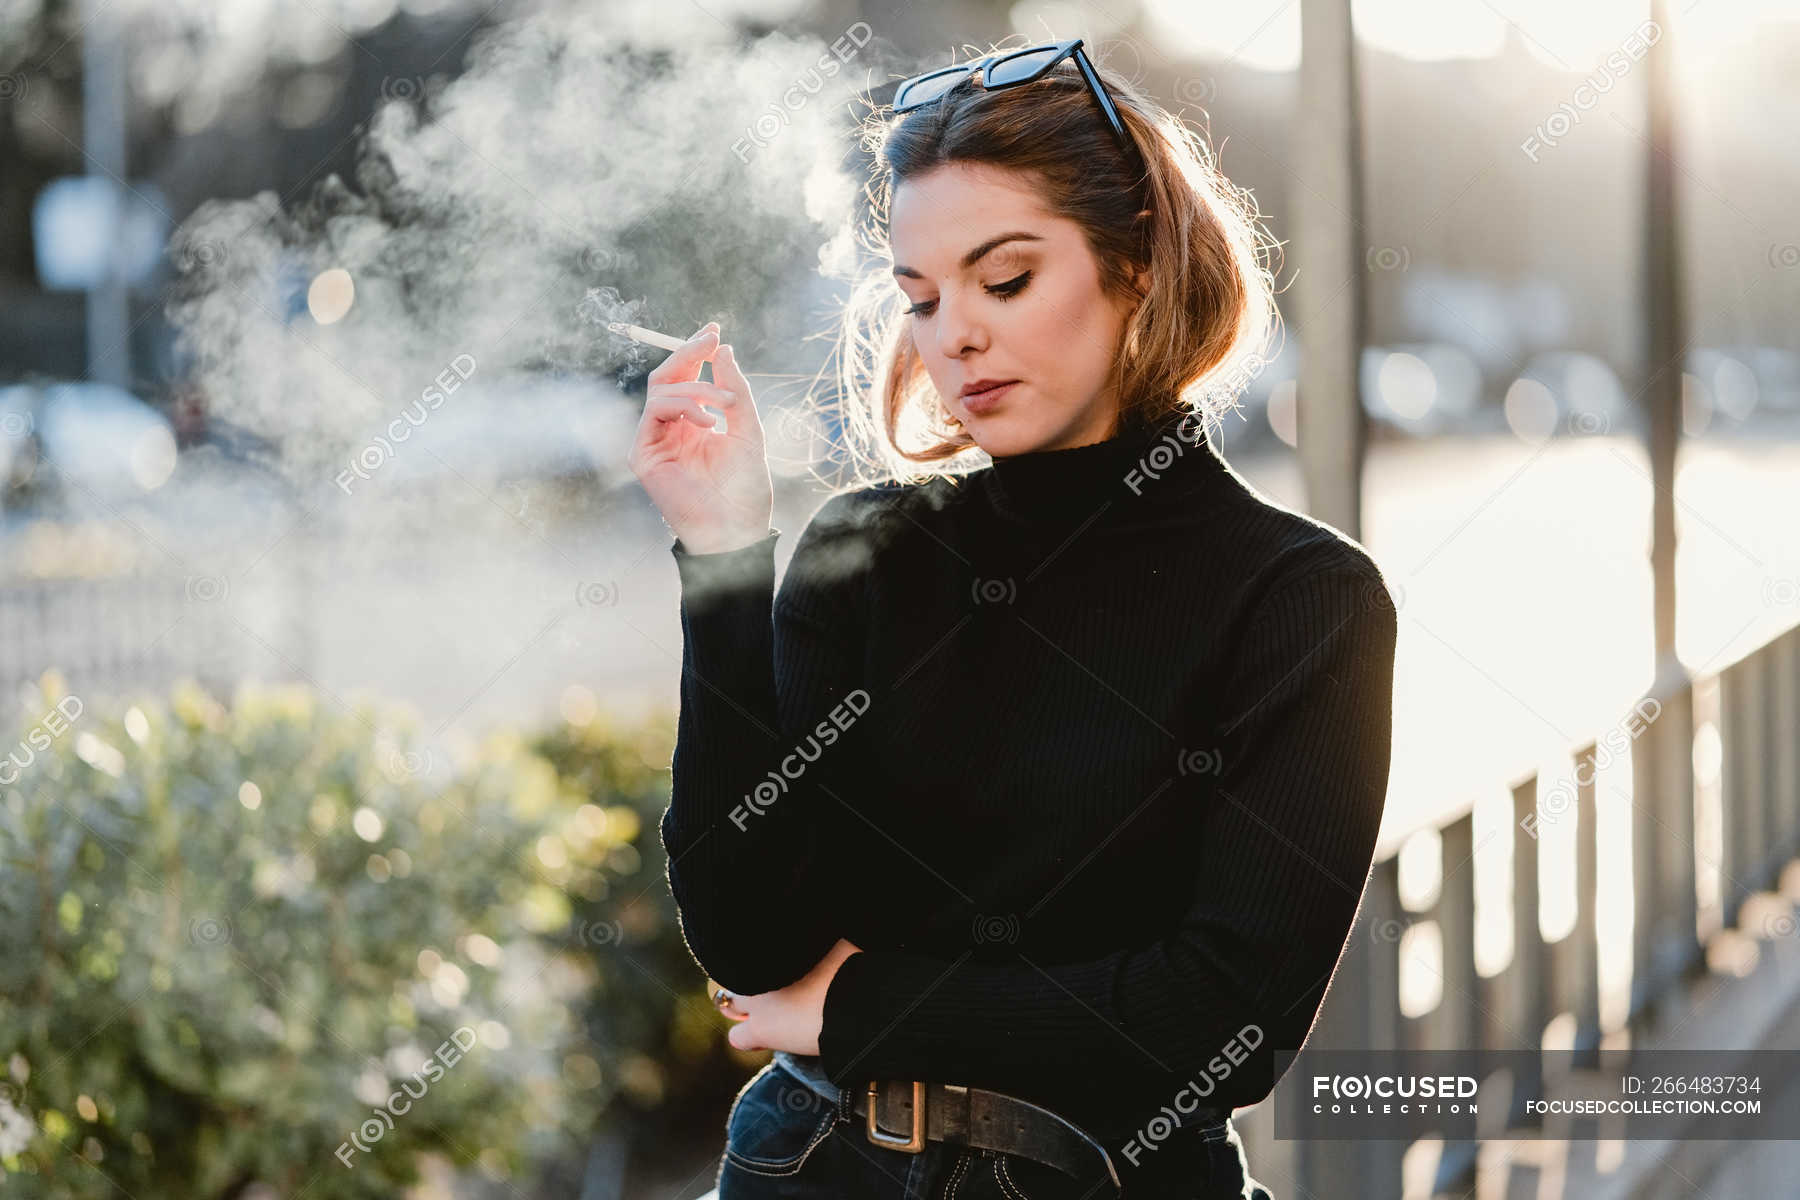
{"x": 1003, "y": 434}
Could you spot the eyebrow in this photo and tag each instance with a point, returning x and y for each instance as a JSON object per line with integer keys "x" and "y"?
{"x": 974, "y": 256}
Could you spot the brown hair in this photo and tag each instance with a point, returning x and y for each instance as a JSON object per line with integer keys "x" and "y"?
{"x": 1201, "y": 326}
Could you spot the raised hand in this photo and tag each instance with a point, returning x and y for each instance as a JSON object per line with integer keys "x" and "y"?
{"x": 712, "y": 489}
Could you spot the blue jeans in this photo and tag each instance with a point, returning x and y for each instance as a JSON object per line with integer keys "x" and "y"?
{"x": 783, "y": 1138}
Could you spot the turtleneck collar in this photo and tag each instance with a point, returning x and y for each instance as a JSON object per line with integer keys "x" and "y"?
{"x": 1143, "y": 460}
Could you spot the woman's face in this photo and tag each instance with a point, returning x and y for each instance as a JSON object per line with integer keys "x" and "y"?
{"x": 1001, "y": 289}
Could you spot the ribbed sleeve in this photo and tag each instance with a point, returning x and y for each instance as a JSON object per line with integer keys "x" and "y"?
{"x": 767, "y": 693}
{"x": 1277, "y": 867}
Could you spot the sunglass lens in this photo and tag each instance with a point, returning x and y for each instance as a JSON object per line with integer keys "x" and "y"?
{"x": 1021, "y": 67}
{"x": 924, "y": 91}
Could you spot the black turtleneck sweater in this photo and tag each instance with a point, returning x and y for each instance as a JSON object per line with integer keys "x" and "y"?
{"x": 1086, "y": 750}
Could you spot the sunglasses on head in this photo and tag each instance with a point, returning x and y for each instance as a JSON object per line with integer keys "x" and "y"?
{"x": 1010, "y": 69}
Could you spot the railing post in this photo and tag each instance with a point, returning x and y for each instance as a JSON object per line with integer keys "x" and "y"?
{"x": 1586, "y": 957}
{"x": 1666, "y": 939}
{"x": 1455, "y": 1023}
{"x": 1756, "y": 767}
{"x": 1386, "y": 924}
{"x": 1386, "y": 1157}
{"x": 1382, "y": 1159}
{"x": 1528, "y": 1004}
{"x": 1646, "y": 888}
{"x": 1361, "y": 1012}
{"x": 1736, "y": 701}
{"x": 1786, "y": 665}
{"x": 1771, "y": 852}
{"x": 1672, "y": 736}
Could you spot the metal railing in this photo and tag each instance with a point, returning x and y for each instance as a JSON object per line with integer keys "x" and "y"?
{"x": 1747, "y": 720}
{"x": 115, "y": 636}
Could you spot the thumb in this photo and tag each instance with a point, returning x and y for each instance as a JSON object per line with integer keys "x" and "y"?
{"x": 739, "y": 1036}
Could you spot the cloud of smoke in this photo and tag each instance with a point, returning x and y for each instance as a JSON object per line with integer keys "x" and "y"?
{"x": 641, "y": 162}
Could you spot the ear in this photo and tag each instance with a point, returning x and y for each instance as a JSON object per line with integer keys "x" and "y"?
{"x": 1140, "y": 286}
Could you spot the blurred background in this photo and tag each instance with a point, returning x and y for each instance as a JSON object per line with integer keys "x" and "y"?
{"x": 339, "y": 648}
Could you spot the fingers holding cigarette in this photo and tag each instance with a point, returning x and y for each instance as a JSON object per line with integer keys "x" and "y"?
{"x": 714, "y": 491}
{"x": 670, "y": 404}
{"x": 677, "y": 379}
{"x": 684, "y": 363}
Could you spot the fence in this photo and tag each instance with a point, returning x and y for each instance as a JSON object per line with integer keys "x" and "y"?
{"x": 120, "y": 634}
{"x": 1700, "y": 845}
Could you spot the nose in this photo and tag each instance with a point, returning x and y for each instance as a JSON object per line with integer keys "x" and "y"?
{"x": 958, "y": 332}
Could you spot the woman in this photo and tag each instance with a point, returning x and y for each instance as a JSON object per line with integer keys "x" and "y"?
{"x": 1040, "y": 796}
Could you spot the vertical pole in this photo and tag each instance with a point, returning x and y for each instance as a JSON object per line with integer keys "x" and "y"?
{"x": 1329, "y": 285}
{"x": 103, "y": 130}
{"x": 1664, "y": 327}
{"x": 1662, "y": 758}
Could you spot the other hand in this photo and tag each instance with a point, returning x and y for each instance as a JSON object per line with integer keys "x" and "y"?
{"x": 788, "y": 1018}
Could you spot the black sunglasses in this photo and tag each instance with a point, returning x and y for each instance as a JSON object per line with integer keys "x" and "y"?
{"x": 1010, "y": 70}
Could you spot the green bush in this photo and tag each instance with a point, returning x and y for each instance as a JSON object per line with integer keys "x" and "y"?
{"x": 649, "y": 1011}
{"x": 264, "y": 943}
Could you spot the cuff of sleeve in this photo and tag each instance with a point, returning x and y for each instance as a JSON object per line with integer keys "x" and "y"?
{"x": 857, "y": 1036}
{"x": 709, "y": 576}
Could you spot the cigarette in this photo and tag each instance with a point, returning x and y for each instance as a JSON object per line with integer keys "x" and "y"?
{"x": 649, "y": 337}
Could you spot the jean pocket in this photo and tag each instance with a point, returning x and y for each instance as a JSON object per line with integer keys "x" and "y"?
{"x": 1015, "y": 1177}
{"x": 1215, "y": 1133}
{"x": 776, "y": 1123}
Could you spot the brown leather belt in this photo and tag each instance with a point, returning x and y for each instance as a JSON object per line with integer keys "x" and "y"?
{"x": 951, "y": 1112}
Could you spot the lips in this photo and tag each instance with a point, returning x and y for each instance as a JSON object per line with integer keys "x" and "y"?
{"x": 983, "y": 385}
{"x": 980, "y": 403}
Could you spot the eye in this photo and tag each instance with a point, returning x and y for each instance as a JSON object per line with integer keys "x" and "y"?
{"x": 1011, "y": 288}
{"x": 999, "y": 291}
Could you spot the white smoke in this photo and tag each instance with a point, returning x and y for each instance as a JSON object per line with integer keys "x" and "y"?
{"x": 635, "y": 162}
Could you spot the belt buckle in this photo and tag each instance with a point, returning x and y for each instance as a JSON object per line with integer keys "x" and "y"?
{"x": 913, "y": 1144}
